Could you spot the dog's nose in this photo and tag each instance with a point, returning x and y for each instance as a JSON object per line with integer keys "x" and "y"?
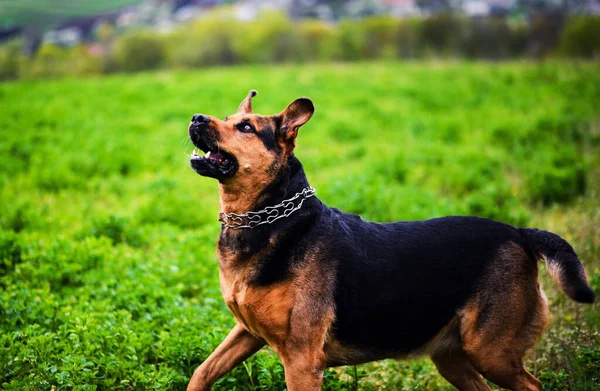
{"x": 200, "y": 119}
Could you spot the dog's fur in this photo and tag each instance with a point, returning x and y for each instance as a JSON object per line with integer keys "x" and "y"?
{"x": 325, "y": 288}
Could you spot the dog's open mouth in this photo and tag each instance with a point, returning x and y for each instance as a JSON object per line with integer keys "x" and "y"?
{"x": 215, "y": 163}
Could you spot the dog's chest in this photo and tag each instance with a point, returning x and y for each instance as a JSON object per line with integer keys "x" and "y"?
{"x": 262, "y": 310}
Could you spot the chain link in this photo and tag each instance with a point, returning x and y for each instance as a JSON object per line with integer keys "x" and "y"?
{"x": 268, "y": 215}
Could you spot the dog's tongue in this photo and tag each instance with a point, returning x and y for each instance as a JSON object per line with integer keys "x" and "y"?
{"x": 217, "y": 157}
{"x": 214, "y": 157}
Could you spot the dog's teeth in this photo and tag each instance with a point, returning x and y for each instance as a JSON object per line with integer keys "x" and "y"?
{"x": 208, "y": 154}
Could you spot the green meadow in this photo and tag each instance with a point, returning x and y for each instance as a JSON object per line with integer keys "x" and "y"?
{"x": 108, "y": 274}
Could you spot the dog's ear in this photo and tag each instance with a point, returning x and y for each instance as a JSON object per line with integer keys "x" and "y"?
{"x": 295, "y": 115}
{"x": 246, "y": 105}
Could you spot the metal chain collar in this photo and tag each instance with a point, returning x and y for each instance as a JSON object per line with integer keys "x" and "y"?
{"x": 267, "y": 215}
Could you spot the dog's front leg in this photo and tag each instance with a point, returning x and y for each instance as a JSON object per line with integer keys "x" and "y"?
{"x": 304, "y": 370}
{"x": 238, "y": 346}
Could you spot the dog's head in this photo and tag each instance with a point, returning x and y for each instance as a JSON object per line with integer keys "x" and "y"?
{"x": 247, "y": 147}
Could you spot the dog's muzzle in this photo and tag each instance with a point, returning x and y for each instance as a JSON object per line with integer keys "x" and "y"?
{"x": 217, "y": 163}
{"x": 199, "y": 122}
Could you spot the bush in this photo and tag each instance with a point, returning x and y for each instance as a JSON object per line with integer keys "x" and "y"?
{"x": 487, "y": 38}
{"x": 408, "y": 38}
{"x": 48, "y": 62}
{"x": 379, "y": 36}
{"x": 270, "y": 38}
{"x": 205, "y": 42}
{"x": 139, "y": 50}
{"x": 442, "y": 34}
{"x": 517, "y": 40}
{"x": 350, "y": 39}
{"x": 544, "y": 31}
{"x": 493, "y": 38}
{"x": 79, "y": 62}
{"x": 220, "y": 39}
{"x": 581, "y": 37}
{"x": 9, "y": 61}
{"x": 53, "y": 61}
{"x": 317, "y": 41}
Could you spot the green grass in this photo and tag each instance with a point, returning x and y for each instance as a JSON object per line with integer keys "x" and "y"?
{"x": 108, "y": 274}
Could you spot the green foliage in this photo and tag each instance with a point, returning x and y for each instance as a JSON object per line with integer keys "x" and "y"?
{"x": 557, "y": 178}
{"x": 581, "y": 37}
{"x": 49, "y": 61}
{"x": 206, "y": 42}
{"x": 220, "y": 38}
{"x": 351, "y": 41}
{"x": 555, "y": 381}
{"x": 490, "y": 37}
{"x": 317, "y": 41}
{"x": 118, "y": 230}
{"x": 137, "y": 50}
{"x": 80, "y": 62}
{"x": 380, "y": 36}
{"x": 408, "y": 38}
{"x": 9, "y": 60}
{"x": 442, "y": 33}
{"x": 10, "y": 251}
{"x": 108, "y": 274}
{"x": 270, "y": 38}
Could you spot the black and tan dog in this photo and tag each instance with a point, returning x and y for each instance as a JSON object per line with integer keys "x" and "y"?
{"x": 325, "y": 288}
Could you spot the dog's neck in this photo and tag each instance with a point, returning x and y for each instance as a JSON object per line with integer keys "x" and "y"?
{"x": 245, "y": 197}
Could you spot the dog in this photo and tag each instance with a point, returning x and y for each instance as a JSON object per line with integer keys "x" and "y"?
{"x": 325, "y": 288}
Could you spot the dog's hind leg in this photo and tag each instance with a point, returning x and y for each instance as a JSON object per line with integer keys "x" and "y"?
{"x": 497, "y": 351}
{"x": 455, "y": 367}
{"x": 504, "y": 319}
{"x": 237, "y": 346}
{"x": 446, "y": 352}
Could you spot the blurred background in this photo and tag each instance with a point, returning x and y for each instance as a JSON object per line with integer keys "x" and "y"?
{"x": 48, "y": 38}
{"x": 108, "y": 273}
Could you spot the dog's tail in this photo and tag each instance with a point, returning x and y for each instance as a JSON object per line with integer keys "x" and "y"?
{"x": 562, "y": 263}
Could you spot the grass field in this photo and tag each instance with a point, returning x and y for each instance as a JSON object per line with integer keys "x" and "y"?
{"x": 108, "y": 275}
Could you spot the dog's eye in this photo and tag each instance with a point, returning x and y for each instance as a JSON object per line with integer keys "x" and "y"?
{"x": 245, "y": 127}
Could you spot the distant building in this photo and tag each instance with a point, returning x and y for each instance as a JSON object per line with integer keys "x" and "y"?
{"x": 476, "y": 8}
{"x": 488, "y": 7}
{"x": 68, "y": 36}
{"x": 127, "y": 18}
{"x": 75, "y": 30}
{"x": 401, "y": 8}
{"x": 501, "y": 7}
{"x": 246, "y": 10}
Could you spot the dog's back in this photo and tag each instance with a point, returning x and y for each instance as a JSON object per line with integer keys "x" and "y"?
{"x": 399, "y": 284}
